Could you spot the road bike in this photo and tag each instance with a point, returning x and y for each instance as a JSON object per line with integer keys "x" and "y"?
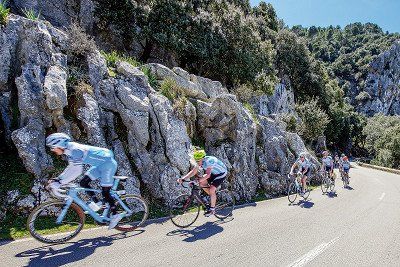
{"x": 185, "y": 209}
{"x": 295, "y": 188}
{"x": 61, "y": 219}
{"x": 345, "y": 179}
{"x": 328, "y": 182}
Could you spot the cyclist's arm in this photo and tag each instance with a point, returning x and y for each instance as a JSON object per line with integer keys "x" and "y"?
{"x": 74, "y": 168}
{"x": 293, "y": 166}
{"x": 70, "y": 173}
{"x": 192, "y": 173}
{"x": 206, "y": 175}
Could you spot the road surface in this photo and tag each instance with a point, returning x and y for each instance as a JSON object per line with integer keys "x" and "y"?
{"x": 354, "y": 227}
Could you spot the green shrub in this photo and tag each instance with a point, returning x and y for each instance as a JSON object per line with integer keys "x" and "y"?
{"x": 383, "y": 140}
{"x": 151, "y": 77}
{"x": 4, "y": 11}
{"x": 252, "y": 111}
{"x": 313, "y": 120}
{"x": 31, "y": 14}
{"x": 113, "y": 57}
{"x": 170, "y": 89}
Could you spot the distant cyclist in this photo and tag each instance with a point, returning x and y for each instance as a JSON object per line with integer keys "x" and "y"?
{"x": 215, "y": 172}
{"x": 102, "y": 167}
{"x": 346, "y": 165}
{"x": 327, "y": 163}
{"x": 304, "y": 166}
{"x": 337, "y": 161}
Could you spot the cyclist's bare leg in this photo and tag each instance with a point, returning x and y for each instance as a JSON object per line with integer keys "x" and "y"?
{"x": 303, "y": 182}
{"x": 205, "y": 187}
{"x": 213, "y": 196}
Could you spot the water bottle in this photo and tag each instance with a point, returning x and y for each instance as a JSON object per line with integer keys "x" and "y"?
{"x": 94, "y": 206}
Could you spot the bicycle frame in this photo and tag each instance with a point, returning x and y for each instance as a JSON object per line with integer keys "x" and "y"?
{"x": 195, "y": 194}
{"x": 74, "y": 198}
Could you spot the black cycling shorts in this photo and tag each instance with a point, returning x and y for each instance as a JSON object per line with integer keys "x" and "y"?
{"x": 328, "y": 168}
{"x": 307, "y": 172}
{"x": 216, "y": 179}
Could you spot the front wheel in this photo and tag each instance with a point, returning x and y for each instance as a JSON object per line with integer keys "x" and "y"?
{"x": 140, "y": 212}
{"x": 292, "y": 192}
{"x": 225, "y": 204}
{"x": 184, "y": 211}
{"x": 43, "y": 226}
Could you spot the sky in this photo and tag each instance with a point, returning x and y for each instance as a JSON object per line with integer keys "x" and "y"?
{"x": 385, "y": 13}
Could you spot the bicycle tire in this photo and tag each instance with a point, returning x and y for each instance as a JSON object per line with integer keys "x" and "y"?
{"x": 181, "y": 207}
{"x": 306, "y": 194}
{"x": 139, "y": 217}
{"x": 292, "y": 192}
{"x": 225, "y": 204}
{"x": 34, "y": 215}
{"x": 325, "y": 185}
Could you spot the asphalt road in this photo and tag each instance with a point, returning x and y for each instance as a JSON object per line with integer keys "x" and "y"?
{"x": 354, "y": 227}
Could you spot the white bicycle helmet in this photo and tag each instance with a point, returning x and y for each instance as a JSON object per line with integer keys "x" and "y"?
{"x": 57, "y": 140}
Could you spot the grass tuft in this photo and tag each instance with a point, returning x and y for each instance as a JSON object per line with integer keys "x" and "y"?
{"x": 4, "y": 11}
{"x": 31, "y": 14}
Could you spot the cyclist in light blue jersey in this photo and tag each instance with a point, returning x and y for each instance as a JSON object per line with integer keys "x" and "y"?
{"x": 215, "y": 173}
{"x": 327, "y": 163}
{"x": 102, "y": 167}
{"x": 304, "y": 166}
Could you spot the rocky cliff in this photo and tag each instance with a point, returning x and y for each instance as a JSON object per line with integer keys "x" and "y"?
{"x": 382, "y": 86}
{"x": 55, "y": 88}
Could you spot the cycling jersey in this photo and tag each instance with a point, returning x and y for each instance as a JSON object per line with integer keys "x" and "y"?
{"x": 346, "y": 164}
{"x": 328, "y": 161}
{"x": 101, "y": 160}
{"x": 218, "y": 167}
{"x": 304, "y": 165}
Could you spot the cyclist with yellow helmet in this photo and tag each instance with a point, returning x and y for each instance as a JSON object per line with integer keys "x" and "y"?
{"x": 215, "y": 172}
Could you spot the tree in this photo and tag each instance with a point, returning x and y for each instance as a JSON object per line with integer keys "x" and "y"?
{"x": 314, "y": 120}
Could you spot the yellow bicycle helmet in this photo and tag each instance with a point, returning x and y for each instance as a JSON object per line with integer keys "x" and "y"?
{"x": 199, "y": 154}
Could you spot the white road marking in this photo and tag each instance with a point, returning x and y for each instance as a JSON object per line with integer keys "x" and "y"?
{"x": 382, "y": 196}
{"x": 313, "y": 253}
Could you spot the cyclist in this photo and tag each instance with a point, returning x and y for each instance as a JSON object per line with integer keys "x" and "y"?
{"x": 215, "y": 172}
{"x": 337, "y": 161}
{"x": 346, "y": 165}
{"x": 102, "y": 167}
{"x": 304, "y": 167}
{"x": 327, "y": 163}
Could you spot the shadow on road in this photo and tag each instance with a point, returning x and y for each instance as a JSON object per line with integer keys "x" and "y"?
{"x": 201, "y": 232}
{"x": 59, "y": 255}
{"x": 349, "y": 187}
{"x": 331, "y": 194}
{"x": 307, "y": 204}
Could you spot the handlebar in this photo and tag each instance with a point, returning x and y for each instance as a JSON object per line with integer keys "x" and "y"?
{"x": 59, "y": 192}
{"x": 187, "y": 184}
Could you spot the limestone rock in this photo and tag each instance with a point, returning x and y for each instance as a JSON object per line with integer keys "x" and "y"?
{"x": 191, "y": 89}
{"x": 383, "y": 84}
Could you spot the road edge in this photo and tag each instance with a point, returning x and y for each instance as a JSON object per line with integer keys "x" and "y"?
{"x": 380, "y": 168}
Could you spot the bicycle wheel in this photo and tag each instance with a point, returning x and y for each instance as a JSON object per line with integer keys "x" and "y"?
{"x": 140, "y": 212}
{"x": 225, "y": 204}
{"x": 325, "y": 185}
{"x": 184, "y": 211}
{"x": 292, "y": 192}
{"x": 306, "y": 193}
{"x": 332, "y": 185}
{"x": 43, "y": 226}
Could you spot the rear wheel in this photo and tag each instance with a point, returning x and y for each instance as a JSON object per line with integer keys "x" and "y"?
{"x": 43, "y": 226}
{"x": 325, "y": 185}
{"x": 184, "y": 211}
{"x": 292, "y": 192}
{"x": 140, "y": 212}
{"x": 225, "y": 204}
